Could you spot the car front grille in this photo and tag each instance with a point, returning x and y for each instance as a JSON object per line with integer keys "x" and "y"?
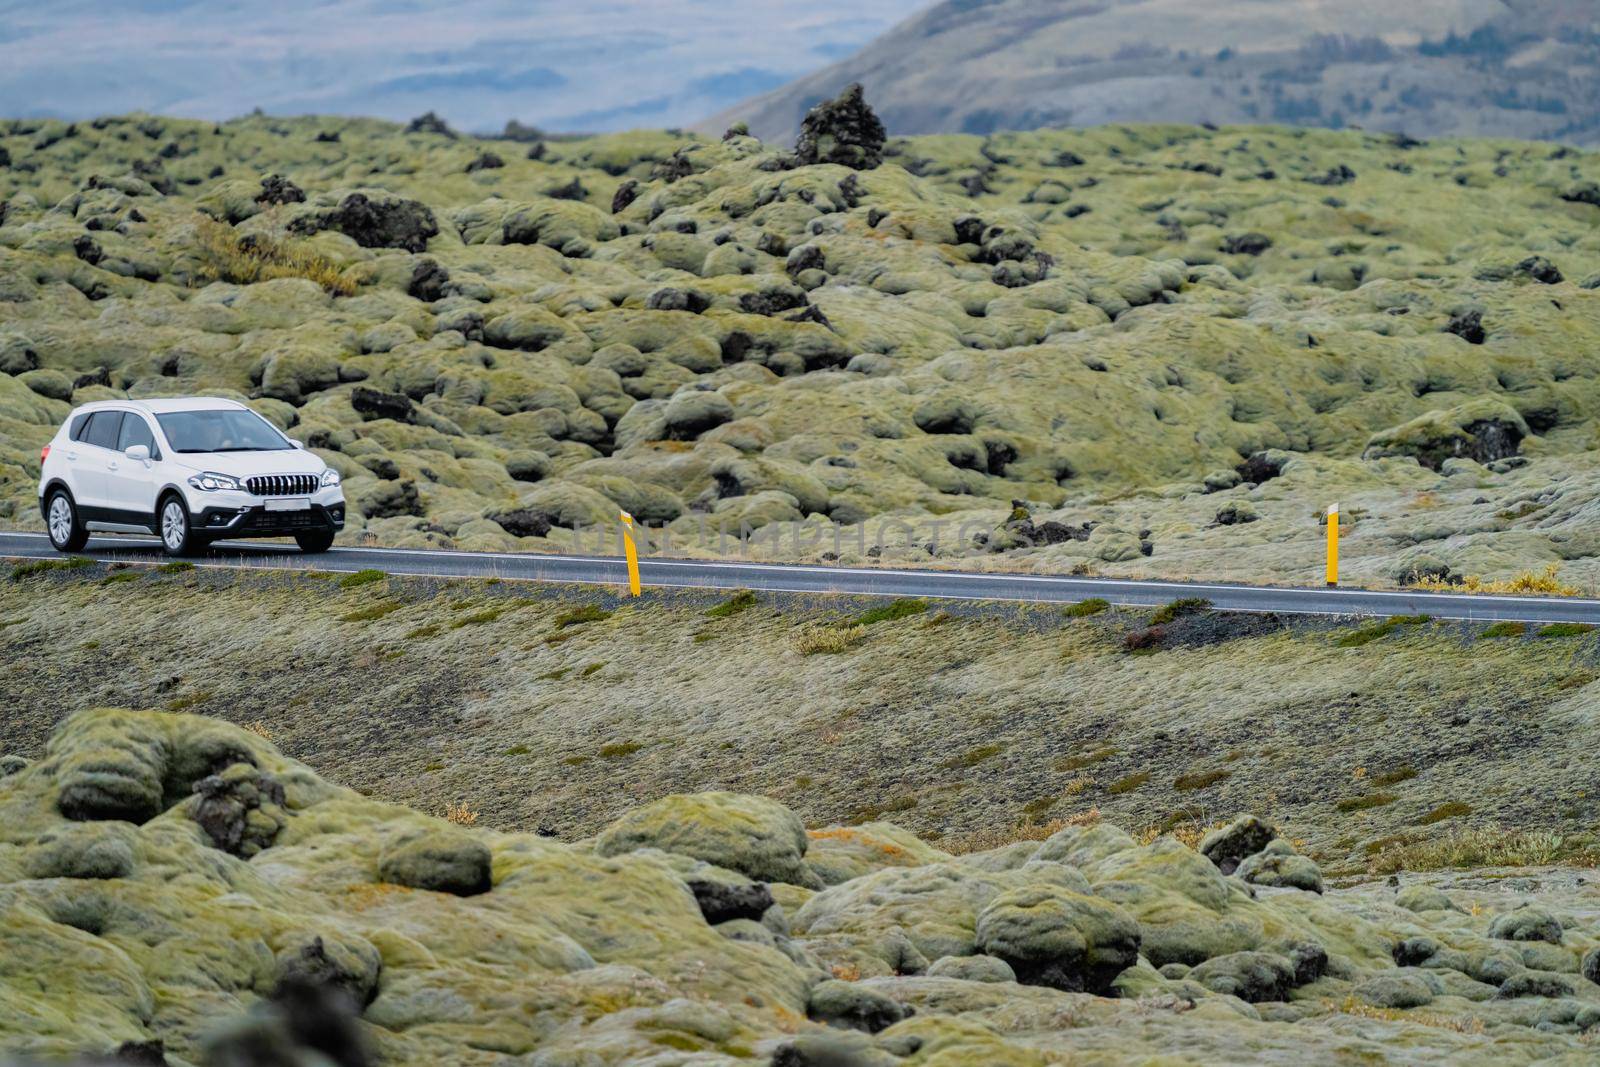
{"x": 283, "y": 520}
{"x": 282, "y": 485}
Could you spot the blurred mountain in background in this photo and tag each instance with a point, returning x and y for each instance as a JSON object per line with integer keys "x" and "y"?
{"x": 597, "y": 66}
{"x": 1509, "y": 68}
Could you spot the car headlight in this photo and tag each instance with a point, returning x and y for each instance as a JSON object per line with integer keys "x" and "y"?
{"x": 210, "y": 482}
{"x": 330, "y": 477}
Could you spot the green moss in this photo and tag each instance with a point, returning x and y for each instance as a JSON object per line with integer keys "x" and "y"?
{"x": 620, "y": 749}
{"x": 1521, "y": 511}
{"x": 575, "y": 761}
{"x": 580, "y": 615}
{"x": 1380, "y": 844}
{"x": 1084, "y": 608}
{"x": 591, "y": 669}
{"x": 429, "y": 768}
{"x": 120, "y": 577}
{"x": 1504, "y": 629}
{"x": 1188, "y": 783}
{"x": 1566, "y": 629}
{"x": 1075, "y": 763}
{"x": 1452, "y": 810}
{"x": 179, "y": 566}
{"x": 361, "y": 577}
{"x": 1128, "y": 784}
{"x": 680, "y": 1042}
{"x": 742, "y": 600}
{"x": 517, "y": 750}
{"x": 1189, "y": 605}
{"x": 372, "y": 611}
{"x": 190, "y": 700}
{"x": 873, "y": 812}
{"x": 1368, "y": 634}
{"x": 45, "y": 566}
{"x": 974, "y": 756}
{"x": 478, "y": 618}
{"x": 1365, "y": 802}
{"x": 428, "y": 630}
{"x": 1395, "y": 777}
{"x": 555, "y": 675}
{"x": 1039, "y": 806}
{"x": 899, "y": 609}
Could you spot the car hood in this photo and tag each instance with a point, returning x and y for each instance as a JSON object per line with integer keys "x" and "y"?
{"x": 250, "y": 464}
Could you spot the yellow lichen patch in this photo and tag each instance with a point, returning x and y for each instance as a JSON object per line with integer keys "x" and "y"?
{"x": 856, "y": 837}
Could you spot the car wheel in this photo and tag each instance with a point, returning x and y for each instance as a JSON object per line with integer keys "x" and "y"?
{"x": 314, "y": 540}
{"x": 176, "y": 537}
{"x": 67, "y": 533}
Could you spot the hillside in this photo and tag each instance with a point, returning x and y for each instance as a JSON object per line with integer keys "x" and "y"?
{"x": 1494, "y": 68}
{"x": 1171, "y": 347}
{"x": 176, "y": 889}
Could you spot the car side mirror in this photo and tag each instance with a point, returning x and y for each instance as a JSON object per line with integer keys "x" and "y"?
{"x": 297, "y": 444}
{"x": 138, "y": 453}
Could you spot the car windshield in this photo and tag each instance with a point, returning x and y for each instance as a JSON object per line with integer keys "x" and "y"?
{"x": 220, "y": 430}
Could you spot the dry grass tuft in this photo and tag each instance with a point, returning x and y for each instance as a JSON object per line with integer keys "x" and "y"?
{"x": 1187, "y": 833}
{"x": 1482, "y": 847}
{"x": 1026, "y": 830}
{"x": 228, "y": 256}
{"x": 1528, "y": 583}
{"x": 828, "y": 639}
{"x": 259, "y": 728}
{"x": 460, "y": 814}
{"x": 1469, "y": 1024}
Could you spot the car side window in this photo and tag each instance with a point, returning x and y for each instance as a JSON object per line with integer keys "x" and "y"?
{"x": 80, "y": 425}
{"x": 135, "y": 431}
{"x": 104, "y": 429}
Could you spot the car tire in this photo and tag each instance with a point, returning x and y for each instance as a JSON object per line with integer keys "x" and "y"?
{"x": 314, "y": 540}
{"x": 172, "y": 525}
{"x": 67, "y": 532}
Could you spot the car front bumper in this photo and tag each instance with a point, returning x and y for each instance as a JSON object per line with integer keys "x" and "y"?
{"x": 254, "y": 520}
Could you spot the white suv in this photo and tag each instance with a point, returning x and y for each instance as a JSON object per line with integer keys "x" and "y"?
{"x": 190, "y": 470}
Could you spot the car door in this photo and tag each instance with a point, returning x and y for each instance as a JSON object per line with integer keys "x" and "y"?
{"x": 91, "y": 464}
{"x": 131, "y": 483}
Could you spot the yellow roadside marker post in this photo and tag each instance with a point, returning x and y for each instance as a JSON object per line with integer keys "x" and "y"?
{"x": 631, "y": 551}
{"x": 1333, "y": 545}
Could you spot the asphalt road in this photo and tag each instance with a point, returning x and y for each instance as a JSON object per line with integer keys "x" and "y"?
{"x": 802, "y": 578}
